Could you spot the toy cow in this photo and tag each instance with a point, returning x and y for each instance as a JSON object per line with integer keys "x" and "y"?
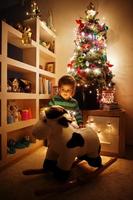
{"x": 66, "y": 143}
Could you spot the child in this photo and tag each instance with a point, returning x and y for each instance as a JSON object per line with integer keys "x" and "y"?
{"x": 66, "y": 90}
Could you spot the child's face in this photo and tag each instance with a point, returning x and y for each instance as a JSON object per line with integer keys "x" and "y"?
{"x": 66, "y": 91}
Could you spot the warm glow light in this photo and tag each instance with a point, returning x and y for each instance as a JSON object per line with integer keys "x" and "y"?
{"x": 72, "y": 58}
{"x": 109, "y": 124}
{"x": 87, "y": 70}
{"x": 83, "y": 34}
{"x": 74, "y": 113}
{"x": 92, "y": 50}
{"x": 98, "y": 131}
{"x": 97, "y": 71}
{"x": 91, "y": 120}
{"x": 87, "y": 63}
{"x": 90, "y": 36}
{"x": 69, "y": 69}
{"x": 78, "y": 47}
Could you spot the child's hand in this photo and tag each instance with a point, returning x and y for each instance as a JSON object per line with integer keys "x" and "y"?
{"x": 81, "y": 125}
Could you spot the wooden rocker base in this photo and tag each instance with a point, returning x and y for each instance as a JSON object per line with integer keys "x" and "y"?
{"x": 83, "y": 173}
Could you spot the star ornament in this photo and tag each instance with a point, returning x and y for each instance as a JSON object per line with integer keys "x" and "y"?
{"x": 90, "y": 13}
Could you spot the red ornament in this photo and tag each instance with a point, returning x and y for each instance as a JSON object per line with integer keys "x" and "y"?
{"x": 79, "y": 22}
{"x": 78, "y": 70}
{"x": 93, "y": 66}
{"x": 81, "y": 73}
{"x": 71, "y": 64}
{"x": 86, "y": 46}
{"x": 108, "y": 64}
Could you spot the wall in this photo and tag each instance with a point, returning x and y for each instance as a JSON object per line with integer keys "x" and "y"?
{"x": 118, "y": 16}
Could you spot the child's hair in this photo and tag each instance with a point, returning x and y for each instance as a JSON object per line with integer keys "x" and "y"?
{"x": 67, "y": 80}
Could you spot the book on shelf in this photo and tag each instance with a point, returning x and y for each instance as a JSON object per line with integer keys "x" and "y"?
{"x": 49, "y": 87}
{"x": 45, "y": 85}
{"x": 40, "y": 85}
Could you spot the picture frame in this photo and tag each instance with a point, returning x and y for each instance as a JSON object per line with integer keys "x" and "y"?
{"x": 50, "y": 67}
{"x": 54, "y": 90}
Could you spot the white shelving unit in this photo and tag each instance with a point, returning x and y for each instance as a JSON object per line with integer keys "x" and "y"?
{"x": 29, "y": 61}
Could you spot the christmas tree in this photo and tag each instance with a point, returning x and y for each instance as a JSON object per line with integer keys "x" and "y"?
{"x": 89, "y": 64}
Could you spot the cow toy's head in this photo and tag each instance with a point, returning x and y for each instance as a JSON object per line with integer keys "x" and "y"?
{"x": 52, "y": 118}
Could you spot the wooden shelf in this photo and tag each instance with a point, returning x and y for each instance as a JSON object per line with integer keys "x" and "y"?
{"x": 46, "y": 53}
{"x": 44, "y": 96}
{"x": 45, "y": 31}
{"x": 20, "y": 66}
{"x": 110, "y": 113}
{"x": 13, "y": 95}
{"x": 21, "y": 124}
{"x": 21, "y": 152}
{"x": 46, "y": 74}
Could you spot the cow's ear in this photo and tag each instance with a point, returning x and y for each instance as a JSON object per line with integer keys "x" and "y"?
{"x": 64, "y": 121}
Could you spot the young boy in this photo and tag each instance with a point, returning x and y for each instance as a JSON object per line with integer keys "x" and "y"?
{"x": 66, "y": 89}
{"x": 64, "y": 98}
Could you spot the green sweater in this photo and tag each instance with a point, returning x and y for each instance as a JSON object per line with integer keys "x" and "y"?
{"x": 70, "y": 104}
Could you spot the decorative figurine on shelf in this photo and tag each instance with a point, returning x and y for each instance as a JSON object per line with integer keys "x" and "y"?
{"x": 10, "y": 118}
{"x": 66, "y": 143}
{"x": 15, "y": 85}
{"x": 23, "y": 142}
{"x": 25, "y": 85}
{"x": 11, "y": 149}
{"x": 26, "y": 35}
{"x": 13, "y": 113}
{"x": 45, "y": 44}
{"x": 16, "y": 113}
{"x": 19, "y": 85}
